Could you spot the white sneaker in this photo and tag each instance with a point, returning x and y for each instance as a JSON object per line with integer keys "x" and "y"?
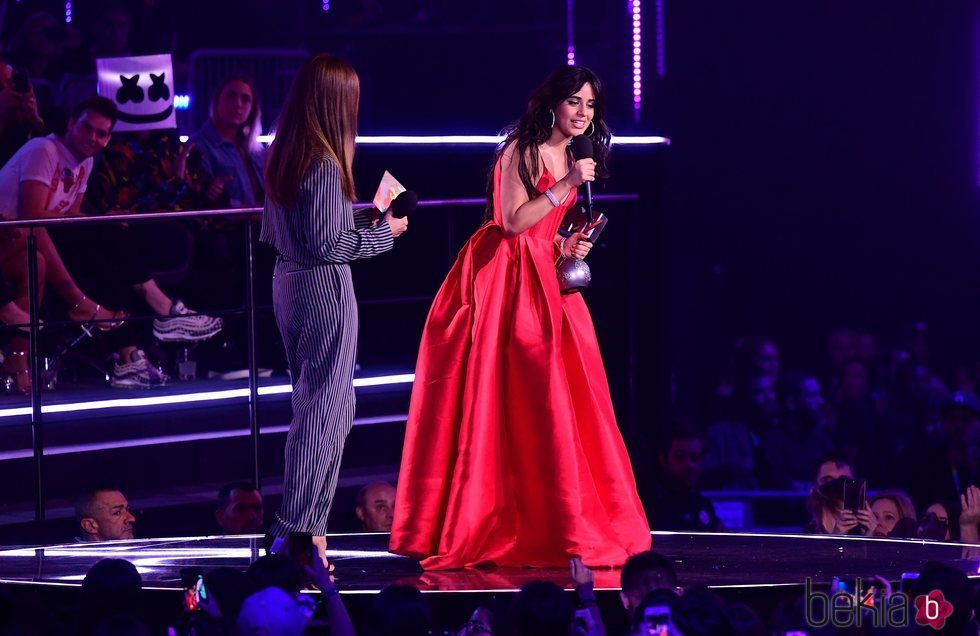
{"x": 138, "y": 373}
{"x": 184, "y": 325}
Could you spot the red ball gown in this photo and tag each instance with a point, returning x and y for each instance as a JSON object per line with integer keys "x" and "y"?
{"x": 512, "y": 454}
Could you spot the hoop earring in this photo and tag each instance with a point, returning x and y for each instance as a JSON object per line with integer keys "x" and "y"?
{"x": 552, "y": 119}
{"x": 592, "y": 124}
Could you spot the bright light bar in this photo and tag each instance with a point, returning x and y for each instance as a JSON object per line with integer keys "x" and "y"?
{"x": 183, "y": 139}
{"x": 185, "y": 398}
{"x": 465, "y": 139}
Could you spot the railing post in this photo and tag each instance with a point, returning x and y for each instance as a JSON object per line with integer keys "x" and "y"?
{"x": 34, "y": 364}
{"x": 253, "y": 371}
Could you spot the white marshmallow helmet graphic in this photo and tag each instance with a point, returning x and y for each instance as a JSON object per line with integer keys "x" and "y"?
{"x": 142, "y": 88}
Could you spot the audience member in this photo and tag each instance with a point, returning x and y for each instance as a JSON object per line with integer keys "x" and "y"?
{"x": 826, "y": 502}
{"x": 789, "y": 449}
{"x": 642, "y": 574}
{"x": 678, "y": 503}
{"x": 20, "y": 119}
{"x": 947, "y": 461}
{"x": 274, "y": 611}
{"x": 228, "y": 142}
{"x": 895, "y": 513}
{"x": 103, "y": 514}
{"x": 111, "y": 587}
{"x": 240, "y": 509}
{"x": 46, "y": 178}
{"x": 486, "y": 620}
{"x": 376, "y": 507}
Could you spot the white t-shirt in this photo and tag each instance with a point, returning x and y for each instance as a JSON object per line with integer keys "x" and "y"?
{"x": 48, "y": 161}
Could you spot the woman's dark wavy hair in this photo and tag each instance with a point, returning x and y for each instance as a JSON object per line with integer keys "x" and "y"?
{"x": 534, "y": 127}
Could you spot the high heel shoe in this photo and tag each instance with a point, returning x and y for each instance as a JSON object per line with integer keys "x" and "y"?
{"x": 18, "y": 372}
{"x": 115, "y": 320}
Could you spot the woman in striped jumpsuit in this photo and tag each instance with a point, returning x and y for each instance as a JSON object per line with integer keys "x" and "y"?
{"x": 309, "y": 220}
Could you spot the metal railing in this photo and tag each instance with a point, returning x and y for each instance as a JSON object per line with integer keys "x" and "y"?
{"x": 250, "y": 309}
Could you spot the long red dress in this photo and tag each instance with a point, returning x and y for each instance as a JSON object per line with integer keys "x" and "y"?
{"x": 512, "y": 454}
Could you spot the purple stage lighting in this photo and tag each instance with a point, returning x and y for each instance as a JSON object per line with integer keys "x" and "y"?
{"x": 635, "y": 10}
{"x": 68, "y": 11}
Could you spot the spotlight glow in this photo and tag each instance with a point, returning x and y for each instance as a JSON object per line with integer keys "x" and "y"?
{"x": 412, "y": 140}
{"x": 636, "y": 12}
{"x": 182, "y": 102}
{"x": 68, "y": 11}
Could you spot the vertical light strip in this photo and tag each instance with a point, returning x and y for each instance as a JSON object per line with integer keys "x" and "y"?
{"x": 570, "y": 32}
{"x": 68, "y": 12}
{"x": 661, "y": 60}
{"x": 636, "y": 13}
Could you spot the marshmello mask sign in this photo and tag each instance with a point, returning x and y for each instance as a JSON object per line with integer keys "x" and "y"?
{"x": 142, "y": 88}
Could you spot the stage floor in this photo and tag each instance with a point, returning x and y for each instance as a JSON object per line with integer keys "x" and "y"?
{"x": 364, "y": 564}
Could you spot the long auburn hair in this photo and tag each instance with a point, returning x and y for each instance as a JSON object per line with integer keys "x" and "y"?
{"x": 247, "y": 136}
{"x": 534, "y": 127}
{"x": 318, "y": 119}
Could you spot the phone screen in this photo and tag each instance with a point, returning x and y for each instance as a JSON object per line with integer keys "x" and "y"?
{"x": 299, "y": 547}
{"x": 194, "y": 591}
{"x": 656, "y": 620}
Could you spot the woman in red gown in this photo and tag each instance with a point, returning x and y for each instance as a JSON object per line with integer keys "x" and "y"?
{"x": 512, "y": 454}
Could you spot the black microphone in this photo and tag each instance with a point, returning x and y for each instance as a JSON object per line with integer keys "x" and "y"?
{"x": 404, "y": 204}
{"x": 582, "y": 149}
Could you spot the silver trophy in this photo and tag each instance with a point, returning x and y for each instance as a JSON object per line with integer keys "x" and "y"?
{"x": 574, "y": 273}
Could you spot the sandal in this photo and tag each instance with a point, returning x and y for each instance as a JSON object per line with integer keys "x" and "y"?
{"x": 18, "y": 372}
{"x": 110, "y": 319}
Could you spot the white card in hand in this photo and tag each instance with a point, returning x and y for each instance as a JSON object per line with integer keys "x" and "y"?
{"x": 388, "y": 189}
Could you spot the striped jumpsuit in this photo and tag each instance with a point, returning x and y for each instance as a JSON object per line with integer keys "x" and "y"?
{"x": 316, "y": 311}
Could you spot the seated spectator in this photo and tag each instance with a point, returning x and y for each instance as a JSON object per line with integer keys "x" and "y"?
{"x": 826, "y": 503}
{"x": 111, "y": 587}
{"x": 228, "y": 171}
{"x": 228, "y": 142}
{"x": 376, "y": 507}
{"x": 799, "y": 439}
{"x": 20, "y": 119}
{"x": 541, "y": 608}
{"x": 103, "y": 515}
{"x": 486, "y": 620}
{"x": 678, "y": 503}
{"x": 831, "y": 467}
{"x": 948, "y": 463}
{"x": 731, "y": 457}
{"x": 642, "y": 574}
{"x": 895, "y": 513}
{"x": 936, "y": 524}
{"x": 240, "y": 509}
{"x": 970, "y": 515}
{"x": 105, "y": 256}
{"x": 399, "y": 610}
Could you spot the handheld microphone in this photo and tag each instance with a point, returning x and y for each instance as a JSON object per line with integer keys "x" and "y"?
{"x": 582, "y": 149}
{"x": 404, "y": 204}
